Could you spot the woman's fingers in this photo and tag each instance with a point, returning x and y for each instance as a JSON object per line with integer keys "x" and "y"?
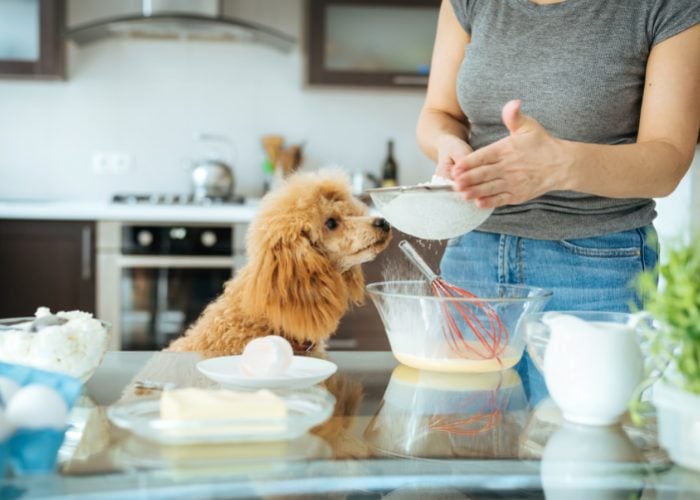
{"x": 485, "y": 189}
{"x": 512, "y": 117}
{"x": 467, "y": 179}
{"x": 444, "y": 170}
{"x": 451, "y": 149}
{"x": 516, "y": 121}
{"x": 487, "y": 155}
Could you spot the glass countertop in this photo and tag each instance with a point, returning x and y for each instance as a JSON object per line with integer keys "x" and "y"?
{"x": 396, "y": 432}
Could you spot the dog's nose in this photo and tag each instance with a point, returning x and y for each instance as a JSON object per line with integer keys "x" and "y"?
{"x": 382, "y": 224}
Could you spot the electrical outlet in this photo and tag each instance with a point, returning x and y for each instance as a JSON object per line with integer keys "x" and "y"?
{"x": 111, "y": 162}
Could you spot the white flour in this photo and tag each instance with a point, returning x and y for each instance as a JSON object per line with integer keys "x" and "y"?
{"x": 75, "y": 348}
{"x": 433, "y": 215}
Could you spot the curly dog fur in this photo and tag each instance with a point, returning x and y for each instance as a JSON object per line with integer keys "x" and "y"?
{"x": 305, "y": 248}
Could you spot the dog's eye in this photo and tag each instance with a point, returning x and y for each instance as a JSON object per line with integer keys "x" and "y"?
{"x": 331, "y": 223}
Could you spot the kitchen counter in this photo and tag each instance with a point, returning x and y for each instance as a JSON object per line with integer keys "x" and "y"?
{"x": 395, "y": 432}
{"x": 96, "y": 210}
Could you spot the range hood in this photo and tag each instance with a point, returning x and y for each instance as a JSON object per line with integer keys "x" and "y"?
{"x": 180, "y": 19}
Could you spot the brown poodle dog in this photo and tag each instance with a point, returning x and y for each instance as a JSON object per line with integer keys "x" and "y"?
{"x": 304, "y": 249}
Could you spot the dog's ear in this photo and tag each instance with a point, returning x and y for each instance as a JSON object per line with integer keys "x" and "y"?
{"x": 355, "y": 280}
{"x": 296, "y": 288}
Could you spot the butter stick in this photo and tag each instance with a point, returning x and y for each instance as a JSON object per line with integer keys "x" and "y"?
{"x": 193, "y": 404}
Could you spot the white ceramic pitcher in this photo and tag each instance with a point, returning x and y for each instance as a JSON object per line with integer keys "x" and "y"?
{"x": 591, "y": 361}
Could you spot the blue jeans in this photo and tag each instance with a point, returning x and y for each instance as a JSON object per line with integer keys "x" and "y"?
{"x": 587, "y": 274}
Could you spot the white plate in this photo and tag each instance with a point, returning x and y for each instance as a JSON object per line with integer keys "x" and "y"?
{"x": 303, "y": 372}
{"x": 305, "y": 409}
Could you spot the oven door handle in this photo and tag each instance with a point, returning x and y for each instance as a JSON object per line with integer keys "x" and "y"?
{"x": 86, "y": 253}
{"x": 175, "y": 262}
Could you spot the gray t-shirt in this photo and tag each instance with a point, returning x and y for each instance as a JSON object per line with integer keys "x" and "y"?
{"x": 578, "y": 67}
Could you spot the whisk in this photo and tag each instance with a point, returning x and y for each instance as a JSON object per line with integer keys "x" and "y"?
{"x": 476, "y": 315}
{"x": 473, "y": 424}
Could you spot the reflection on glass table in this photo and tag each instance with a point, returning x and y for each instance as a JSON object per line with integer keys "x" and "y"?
{"x": 395, "y": 431}
{"x": 134, "y": 453}
{"x": 430, "y": 414}
{"x": 587, "y": 461}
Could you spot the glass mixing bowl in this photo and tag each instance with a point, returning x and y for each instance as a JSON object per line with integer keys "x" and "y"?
{"x": 449, "y": 334}
{"x": 428, "y": 211}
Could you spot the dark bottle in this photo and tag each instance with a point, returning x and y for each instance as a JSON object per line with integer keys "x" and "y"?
{"x": 390, "y": 169}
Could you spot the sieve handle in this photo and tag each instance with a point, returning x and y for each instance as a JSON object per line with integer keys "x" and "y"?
{"x": 417, "y": 260}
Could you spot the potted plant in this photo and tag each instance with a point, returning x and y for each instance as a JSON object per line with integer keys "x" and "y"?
{"x": 674, "y": 351}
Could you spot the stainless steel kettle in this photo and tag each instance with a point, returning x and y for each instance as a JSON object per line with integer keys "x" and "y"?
{"x": 212, "y": 177}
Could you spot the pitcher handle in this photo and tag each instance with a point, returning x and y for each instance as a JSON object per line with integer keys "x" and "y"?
{"x": 640, "y": 407}
{"x": 645, "y": 335}
{"x": 537, "y": 336}
{"x": 636, "y": 319}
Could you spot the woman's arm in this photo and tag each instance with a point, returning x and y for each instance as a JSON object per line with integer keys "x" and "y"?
{"x": 442, "y": 129}
{"x": 668, "y": 129}
{"x": 531, "y": 162}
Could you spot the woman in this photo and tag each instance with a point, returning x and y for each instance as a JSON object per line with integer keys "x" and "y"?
{"x": 606, "y": 119}
{"x": 567, "y": 118}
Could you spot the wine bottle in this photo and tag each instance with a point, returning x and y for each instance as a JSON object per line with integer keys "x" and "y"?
{"x": 390, "y": 168}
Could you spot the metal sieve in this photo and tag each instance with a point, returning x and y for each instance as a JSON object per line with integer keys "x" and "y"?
{"x": 428, "y": 211}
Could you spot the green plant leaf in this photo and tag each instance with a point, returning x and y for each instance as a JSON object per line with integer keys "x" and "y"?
{"x": 677, "y": 306}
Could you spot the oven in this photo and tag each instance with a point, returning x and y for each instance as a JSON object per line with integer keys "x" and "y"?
{"x": 154, "y": 279}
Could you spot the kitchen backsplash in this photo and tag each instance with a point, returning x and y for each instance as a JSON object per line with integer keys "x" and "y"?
{"x": 148, "y": 99}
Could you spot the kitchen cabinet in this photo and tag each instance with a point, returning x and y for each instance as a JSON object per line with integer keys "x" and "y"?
{"x": 31, "y": 38}
{"x": 46, "y": 263}
{"x": 361, "y": 328}
{"x": 370, "y": 42}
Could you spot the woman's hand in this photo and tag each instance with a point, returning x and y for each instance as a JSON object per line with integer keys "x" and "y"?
{"x": 520, "y": 167}
{"x": 450, "y": 150}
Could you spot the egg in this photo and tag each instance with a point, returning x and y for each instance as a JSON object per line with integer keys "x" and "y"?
{"x": 37, "y": 406}
{"x": 8, "y": 387}
{"x": 268, "y": 356}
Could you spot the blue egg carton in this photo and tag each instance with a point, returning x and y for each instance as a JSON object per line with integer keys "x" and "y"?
{"x": 35, "y": 451}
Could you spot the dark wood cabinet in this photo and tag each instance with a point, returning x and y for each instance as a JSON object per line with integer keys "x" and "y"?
{"x": 370, "y": 42}
{"x": 361, "y": 329}
{"x": 32, "y": 44}
{"x": 46, "y": 263}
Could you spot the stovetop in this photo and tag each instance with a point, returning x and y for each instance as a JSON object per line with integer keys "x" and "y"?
{"x": 172, "y": 199}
